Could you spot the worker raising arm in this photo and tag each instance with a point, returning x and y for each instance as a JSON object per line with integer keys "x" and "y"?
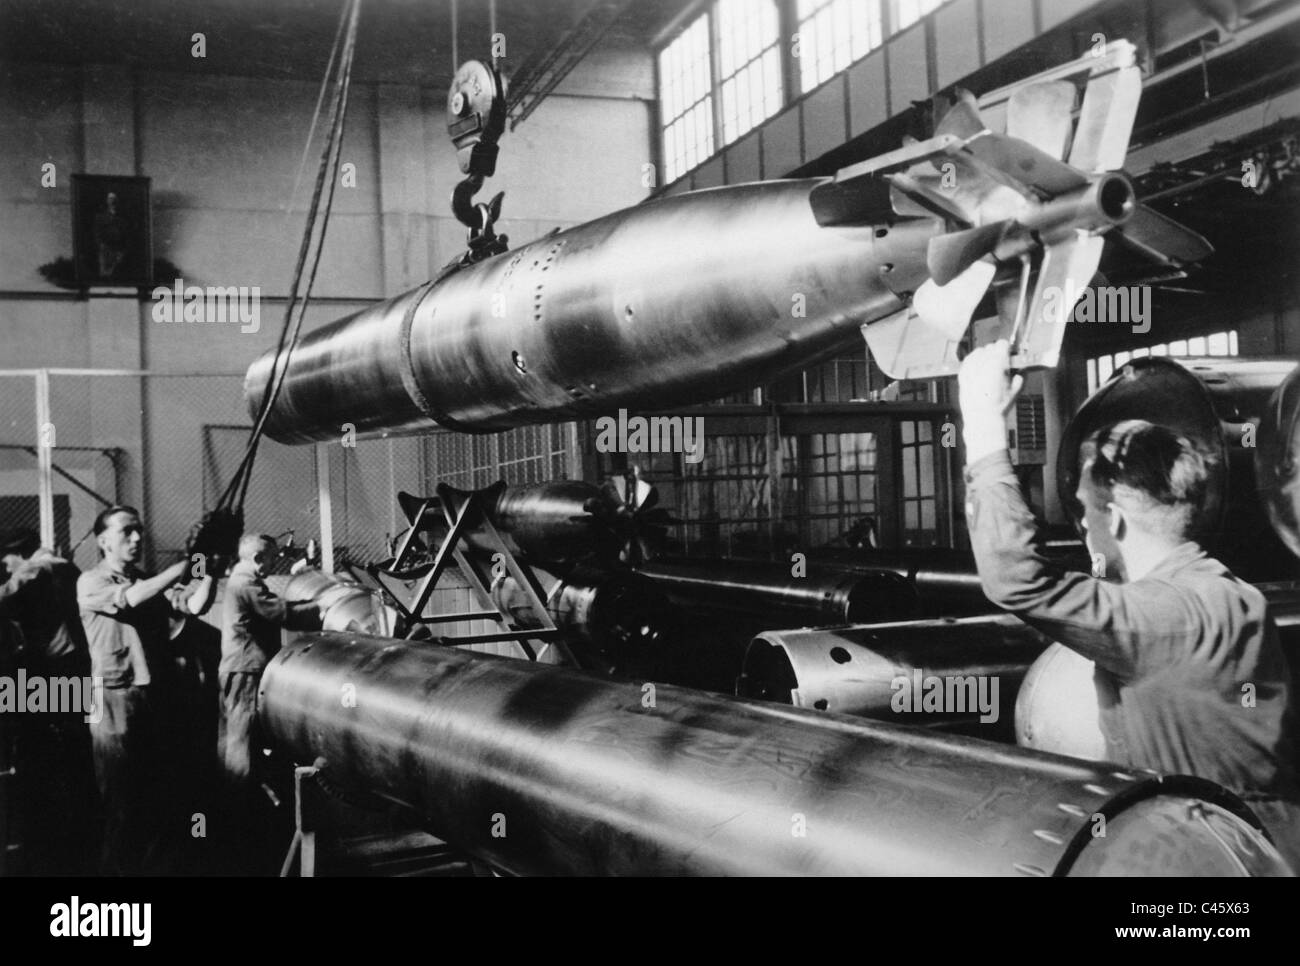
{"x": 1177, "y": 639}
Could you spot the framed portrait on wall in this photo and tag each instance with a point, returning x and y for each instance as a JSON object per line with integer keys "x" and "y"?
{"x": 111, "y": 231}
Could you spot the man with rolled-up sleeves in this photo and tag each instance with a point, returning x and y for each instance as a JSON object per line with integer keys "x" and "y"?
{"x": 127, "y": 618}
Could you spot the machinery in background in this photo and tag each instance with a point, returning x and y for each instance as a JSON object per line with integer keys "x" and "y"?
{"x": 758, "y": 627}
{"x": 557, "y": 523}
{"x": 610, "y": 617}
{"x": 756, "y": 592}
{"x": 346, "y": 605}
{"x": 544, "y": 561}
{"x": 537, "y": 769}
{"x": 606, "y": 777}
{"x": 945, "y": 580}
{"x": 1243, "y": 413}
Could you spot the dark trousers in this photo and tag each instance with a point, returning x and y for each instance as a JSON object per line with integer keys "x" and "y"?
{"x": 54, "y": 807}
{"x": 259, "y": 841}
{"x": 239, "y": 709}
{"x": 124, "y": 743}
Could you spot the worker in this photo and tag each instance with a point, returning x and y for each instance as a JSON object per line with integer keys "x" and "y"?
{"x": 250, "y": 637}
{"x": 1187, "y": 654}
{"x": 55, "y": 773}
{"x": 127, "y": 619}
{"x": 252, "y": 619}
{"x": 41, "y": 595}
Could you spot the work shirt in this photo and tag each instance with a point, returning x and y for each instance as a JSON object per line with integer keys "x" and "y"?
{"x": 1199, "y": 681}
{"x": 121, "y": 636}
{"x": 250, "y": 623}
{"x": 41, "y": 595}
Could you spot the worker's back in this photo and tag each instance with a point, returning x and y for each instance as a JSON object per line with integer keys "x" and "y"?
{"x": 1192, "y": 677}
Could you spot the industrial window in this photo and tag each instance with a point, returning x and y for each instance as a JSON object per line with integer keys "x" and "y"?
{"x": 724, "y": 498}
{"x": 831, "y": 485}
{"x": 727, "y": 58}
{"x": 1218, "y": 344}
{"x": 527, "y": 454}
{"x": 686, "y": 95}
{"x": 722, "y": 501}
{"x": 749, "y": 64}
{"x": 920, "y": 494}
{"x": 844, "y": 379}
{"x": 908, "y": 12}
{"x": 833, "y": 34}
{"x": 828, "y": 486}
{"x": 724, "y": 73}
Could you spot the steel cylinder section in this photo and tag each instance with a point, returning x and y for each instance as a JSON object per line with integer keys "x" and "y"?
{"x": 344, "y": 604}
{"x": 1217, "y": 404}
{"x": 543, "y": 770}
{"x": 935, "y": 673}
{"x": 560, "y": 521}
{"x": 680, "y": 299}
{"x": 348, "y": 375}
{"x": 557, "y": 522}
{"x": 619, "y": 613}
{"x": 946, "y": 581}
{"x": 771, "y": 594}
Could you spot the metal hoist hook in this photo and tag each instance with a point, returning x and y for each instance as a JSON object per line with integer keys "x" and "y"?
{"x": 476, "y": 118}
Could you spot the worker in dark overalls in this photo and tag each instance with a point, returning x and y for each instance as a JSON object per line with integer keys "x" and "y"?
{"x": 252, "y": 618}
{"x": 39, "y": 594}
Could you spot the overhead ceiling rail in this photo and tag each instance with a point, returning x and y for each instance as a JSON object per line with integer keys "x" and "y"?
{"x": 541, "y": 74}
{"x": 1259, "y": 161}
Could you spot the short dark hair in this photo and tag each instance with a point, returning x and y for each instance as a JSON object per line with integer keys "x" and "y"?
{"x": 106, "y": 514}
{"x": 20, "y": 540}
{"x": 1163, "y": 469}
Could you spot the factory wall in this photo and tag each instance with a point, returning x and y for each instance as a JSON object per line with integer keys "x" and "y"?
{"x": 223, "y": 153}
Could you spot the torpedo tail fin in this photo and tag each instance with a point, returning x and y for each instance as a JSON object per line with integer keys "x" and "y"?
{"x": 1029, "y": 187}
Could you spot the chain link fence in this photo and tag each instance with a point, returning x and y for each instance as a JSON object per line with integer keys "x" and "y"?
{"x": 365, "y": 478}
{"x": 155, "y": 442}
{"x": 168, "y": 444}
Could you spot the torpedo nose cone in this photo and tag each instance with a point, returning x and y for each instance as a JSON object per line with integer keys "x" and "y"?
{"x": 1059, "y": 706}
